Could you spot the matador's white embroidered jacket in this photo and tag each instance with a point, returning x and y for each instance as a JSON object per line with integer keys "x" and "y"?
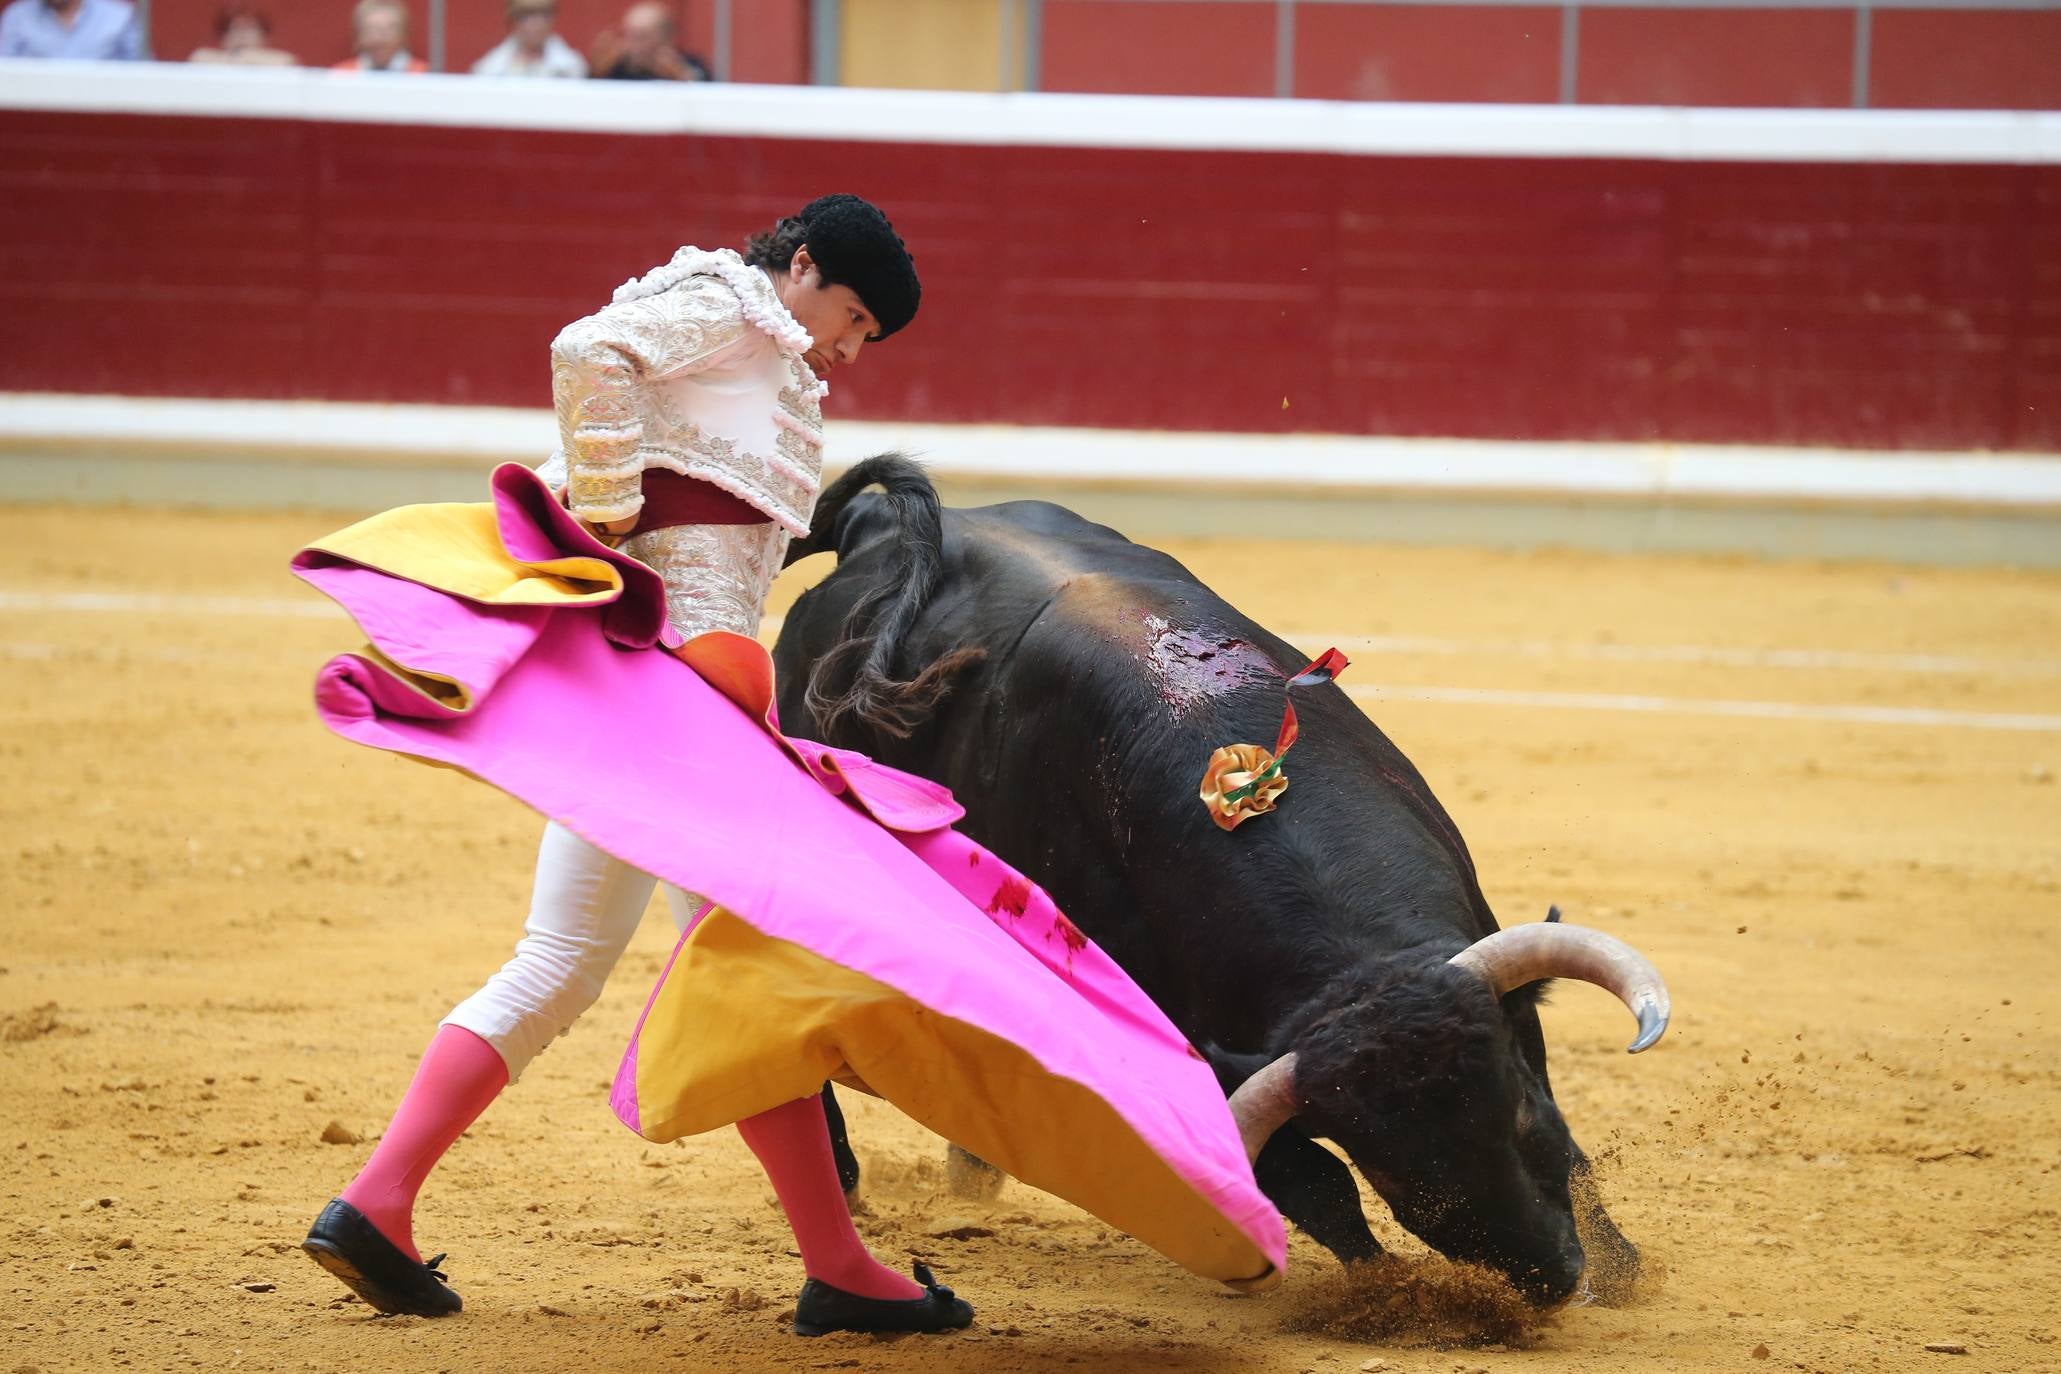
{"x": 698, "y": 368}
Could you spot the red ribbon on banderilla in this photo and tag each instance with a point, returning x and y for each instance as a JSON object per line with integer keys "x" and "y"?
{"x": 1245, "y": 780}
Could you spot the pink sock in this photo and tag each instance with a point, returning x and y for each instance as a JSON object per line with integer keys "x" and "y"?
{"x": 793, "y": 1146}
{"x": 459, "y": 1076}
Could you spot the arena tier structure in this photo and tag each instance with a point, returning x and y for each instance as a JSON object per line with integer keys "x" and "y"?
{"x": 1592, "y": 302}
{"x": 1885, "y": 54}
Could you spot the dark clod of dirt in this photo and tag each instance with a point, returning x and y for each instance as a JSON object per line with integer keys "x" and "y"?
{"x": 1946, "y": 1347}
{"x": 1760, "y": 1352}
{"x": 1428, "y": 1301}
{"x": 743, "y": 1299}
{"x": 336, "y": 1133}
{"x": 34, "y": 1024}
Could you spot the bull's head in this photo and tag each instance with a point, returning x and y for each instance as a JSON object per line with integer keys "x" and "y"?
{"x": 1412, "y": 1065}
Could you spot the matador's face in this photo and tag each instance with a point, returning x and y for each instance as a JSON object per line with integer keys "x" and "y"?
{"x": 838, "y": 322}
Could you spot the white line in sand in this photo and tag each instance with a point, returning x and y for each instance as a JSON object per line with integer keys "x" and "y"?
{"x": 24, "y": 651}
{"x": 1808, "y": 660}
{"x": 1692, "y": 706}
{"x": 130, "y": 603}
{"x": 147, "y": 603}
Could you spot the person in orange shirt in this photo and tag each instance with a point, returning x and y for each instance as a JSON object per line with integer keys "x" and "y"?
{"x": 379, "y": 38}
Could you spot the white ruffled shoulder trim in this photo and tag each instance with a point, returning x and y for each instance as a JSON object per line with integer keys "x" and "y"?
{"x": 753, "y": 289}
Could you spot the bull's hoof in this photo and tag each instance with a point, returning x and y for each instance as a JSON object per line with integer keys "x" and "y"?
{"x": 972, "y": 1178}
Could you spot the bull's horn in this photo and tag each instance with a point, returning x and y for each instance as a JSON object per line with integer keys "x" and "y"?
{"x": 1264, "y": 1103}
{"x": 1524, "y": 954}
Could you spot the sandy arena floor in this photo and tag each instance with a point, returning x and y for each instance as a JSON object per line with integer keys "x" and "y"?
{"x": 225, "y": 931}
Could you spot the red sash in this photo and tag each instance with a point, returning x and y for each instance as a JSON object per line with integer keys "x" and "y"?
{"x": 671, "y": 499}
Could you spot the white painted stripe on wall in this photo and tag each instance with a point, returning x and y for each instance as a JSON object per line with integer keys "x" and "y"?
{"x": 1030, "y": 454}
{"x": 283, "y": 426}
{"x": 1287, "y": 461}
{"x": 1043, "y": 120}
{"x": 1691, "y": 706}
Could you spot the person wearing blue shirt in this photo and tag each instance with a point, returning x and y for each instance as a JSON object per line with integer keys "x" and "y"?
{"x": 84, "y": 30}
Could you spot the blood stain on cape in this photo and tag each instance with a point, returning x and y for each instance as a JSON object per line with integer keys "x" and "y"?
{"x": 1012, "y": 898}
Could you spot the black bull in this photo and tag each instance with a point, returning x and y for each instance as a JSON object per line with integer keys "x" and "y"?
{"x": 1069, "y": 686}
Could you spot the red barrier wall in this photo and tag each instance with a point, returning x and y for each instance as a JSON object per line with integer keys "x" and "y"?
{"x": 1763, "y": 58}
{"x": 1958, "y": 59}
{"x": 1658, "y": 54}
{"x": 1428, "y": 52}
{"x": 1860, "y": 305}
{"x": 1158, "y": 47}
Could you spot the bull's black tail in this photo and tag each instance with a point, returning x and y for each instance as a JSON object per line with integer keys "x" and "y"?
{"x": 855, "y": 677}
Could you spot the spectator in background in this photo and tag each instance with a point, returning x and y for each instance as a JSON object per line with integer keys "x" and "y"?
{"x": 379, "y": 37}
{"x": 646, "y": 50}
{"x": 244, "y": 32}
{"x": 83, "y": 30}
{"x": 531, "y": 49}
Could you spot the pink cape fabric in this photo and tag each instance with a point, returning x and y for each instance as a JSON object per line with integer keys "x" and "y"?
{"x": 569, "y": 710}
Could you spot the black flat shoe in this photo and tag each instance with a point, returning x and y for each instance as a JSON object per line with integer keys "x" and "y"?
{"x": 344, "y": 1241}
{"x": 822, "y": 1308}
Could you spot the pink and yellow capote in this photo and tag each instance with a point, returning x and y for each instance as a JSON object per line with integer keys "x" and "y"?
{"x": 852, "y": 933}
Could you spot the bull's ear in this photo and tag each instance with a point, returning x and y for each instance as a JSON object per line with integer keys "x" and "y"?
{"x": 1232, "y": 1068}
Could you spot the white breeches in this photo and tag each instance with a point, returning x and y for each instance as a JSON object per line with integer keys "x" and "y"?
{"x": 584, "y": 909}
